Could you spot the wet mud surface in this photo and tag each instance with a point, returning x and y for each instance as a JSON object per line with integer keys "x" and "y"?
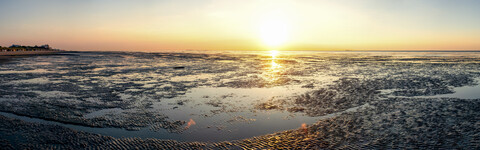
{"x": 352, "y": 100}
{"x": 395, "y": 123}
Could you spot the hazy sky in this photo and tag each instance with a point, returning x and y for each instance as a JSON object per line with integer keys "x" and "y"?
{"x": 242, "y": 24}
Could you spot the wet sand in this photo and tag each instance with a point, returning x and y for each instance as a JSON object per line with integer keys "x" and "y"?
{"x": 394, "y": 123}
{"x": 362, "y": 101}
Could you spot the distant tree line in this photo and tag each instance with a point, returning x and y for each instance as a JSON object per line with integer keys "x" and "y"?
{"x": 15, "y": 47}
{"x": 46, "y": 46}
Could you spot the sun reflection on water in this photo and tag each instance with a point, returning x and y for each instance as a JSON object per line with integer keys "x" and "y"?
{"x": 274, "y": 65}
{"x": 272, "y": 73}
{"x": 273, "y": 53}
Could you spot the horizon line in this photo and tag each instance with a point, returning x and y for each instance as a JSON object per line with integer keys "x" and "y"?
{"x": 278, "y": 50}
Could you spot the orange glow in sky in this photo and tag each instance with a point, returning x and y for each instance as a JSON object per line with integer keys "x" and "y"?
{"x": 242, "y": 25}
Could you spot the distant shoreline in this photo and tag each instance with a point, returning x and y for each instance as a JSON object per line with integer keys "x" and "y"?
{"x": 28, "y": 53}
{"x": 293, "y": 51}
{"x": 8, "y": 55}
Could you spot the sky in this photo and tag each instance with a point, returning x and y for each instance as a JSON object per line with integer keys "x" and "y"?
{"x": 156, "y": 25}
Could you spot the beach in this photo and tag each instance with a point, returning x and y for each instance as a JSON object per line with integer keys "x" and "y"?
{"x": 247, "y": 100}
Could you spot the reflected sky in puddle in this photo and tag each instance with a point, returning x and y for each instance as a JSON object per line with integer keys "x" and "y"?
{"x": 464, "y": 92}
{"x": 219, "y": 114}
{"x": 223, "y": 114}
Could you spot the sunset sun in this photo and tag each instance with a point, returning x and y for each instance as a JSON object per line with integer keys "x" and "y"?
{"x": 274, "y": 32}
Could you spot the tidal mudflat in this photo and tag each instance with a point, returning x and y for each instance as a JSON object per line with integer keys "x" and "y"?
{"x": 222, "y": 99}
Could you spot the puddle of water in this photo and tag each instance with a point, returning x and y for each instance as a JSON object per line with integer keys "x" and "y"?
{"x": 465, "y": 92}
{"x": 203, "y": 130}
{"x": 221, "y": 114}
